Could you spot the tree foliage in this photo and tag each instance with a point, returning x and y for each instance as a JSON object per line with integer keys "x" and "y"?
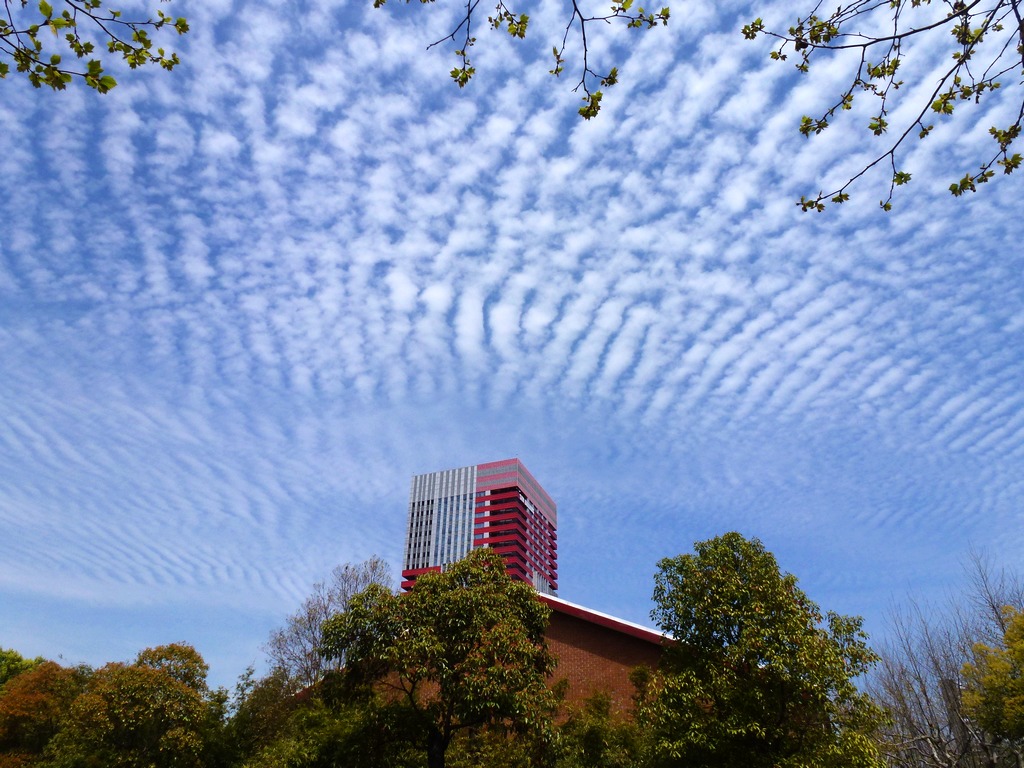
{"x": 512, "y": 21}
{"x": 593, "y": 736}
{"x": 34, "y": 706}
{"x": 154, "y": 713}
{"x": 180, "y": 662}
{"x": 985, "y": 43}
{"x": 366, "y": 732}
{"x": 995, "y": 686}
{"x": 757, "y": 676}
{"x": 38, "y": 37}
{"x": 13, "y": 664}
{"x": 463, "y": 649}
{"x": 295, "y": 648}
{"x": 454, "y": 673}
{"x": 260, "y": 712}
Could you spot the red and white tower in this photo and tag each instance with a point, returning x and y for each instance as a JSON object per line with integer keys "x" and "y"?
{"x": 498, "y": 505}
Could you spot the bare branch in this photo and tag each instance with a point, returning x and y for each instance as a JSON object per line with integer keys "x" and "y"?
{"x": 977, "y": 28}
{"x": 295, "y": 648}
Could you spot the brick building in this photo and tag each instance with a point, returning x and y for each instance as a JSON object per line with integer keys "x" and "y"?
{"x": 596, "y": 652}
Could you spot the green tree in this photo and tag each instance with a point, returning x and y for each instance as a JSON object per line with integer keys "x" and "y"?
{"x": 13, "y": 664}
{"x": 180, "y": 662}
{"x": 756, "y": 677}
{"x": 594, "y": 737}
{"x": 497, "y": 747}
{"x": 985, "y": 43}
{"x": 155, "y": 713}
{"x": 463, "y": 649}
{"x": 260, "y": 712}
{"x": 37, "y": 37}
{"x": 994, "y": 696}
{"x": 365, "y": 732}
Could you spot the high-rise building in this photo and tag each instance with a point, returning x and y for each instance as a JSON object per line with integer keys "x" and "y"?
{"x": 498, "y": 505}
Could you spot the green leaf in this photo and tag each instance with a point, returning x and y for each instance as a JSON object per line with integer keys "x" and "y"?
{"x": 462, "y": 75}
{"x": 593, "y": 105}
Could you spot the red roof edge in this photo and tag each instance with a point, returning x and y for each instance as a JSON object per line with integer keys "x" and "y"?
{"x": 604, "y": 620}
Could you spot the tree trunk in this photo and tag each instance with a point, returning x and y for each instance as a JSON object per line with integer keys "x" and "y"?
{"x": 437, "y": 746}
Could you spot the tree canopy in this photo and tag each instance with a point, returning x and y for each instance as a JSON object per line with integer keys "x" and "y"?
{"x": 454, "y": 673}
{"x": 757, "y": 676}
{"x": 463, "y": 649}
{"x": 34, "y": 706}
{"x": 13, "y": 664}
{"x": 38, "y": 37}
{"x": 153, "y": 713}
{"x": 995, "y": 686}
{"x": 156, "y": 711}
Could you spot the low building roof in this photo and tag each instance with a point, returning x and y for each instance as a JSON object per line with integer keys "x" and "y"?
{"x": 604, "y": 620}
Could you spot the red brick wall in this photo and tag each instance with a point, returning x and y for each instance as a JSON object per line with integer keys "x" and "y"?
{"x": 593, "y": 658}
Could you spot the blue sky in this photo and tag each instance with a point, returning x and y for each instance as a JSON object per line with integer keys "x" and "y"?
{"x": 243, "y": 302}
